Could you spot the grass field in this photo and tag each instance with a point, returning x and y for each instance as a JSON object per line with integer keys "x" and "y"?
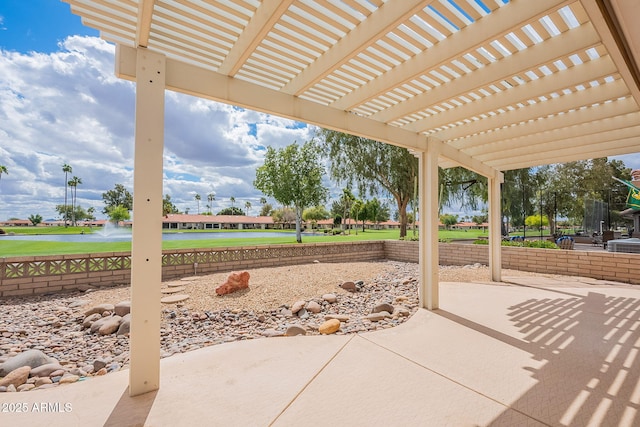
{"x": 12, "y": 248}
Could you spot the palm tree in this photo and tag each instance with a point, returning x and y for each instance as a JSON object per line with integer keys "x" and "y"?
{"x": 73, "y": 183}
{"x": 211, "y": 197}
{"x": 67, "y": 170}
{"x": 198, "y": 198}
{"x": 232, "y": 200}
{"x": 247, "y": 206}
{"x": 3, "y": 170}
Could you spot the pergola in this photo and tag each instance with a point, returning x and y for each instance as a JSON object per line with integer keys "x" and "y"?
{"x": 489, "y": 85}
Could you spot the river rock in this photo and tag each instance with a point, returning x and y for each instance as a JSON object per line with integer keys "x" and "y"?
{"x": 294, "y": 330}
{"x": 95, "y": 326}
{"x": 376, "y": 317}
{"x": 26, "y": 387}
{"x": 69, "y": 379}
{"x": 31, "y": 358}
{"x": 88, "y": 321}
{"x": 349, "y": 286}
{"x": 45, "y": 370}
{"x": 329, "y": 327}
{"x": 297, "y": 306}
{"x": 313, "y": 307}
{"x": 17, "y": 377}
{"x": 100, "y": 308}
{"x": 330, "y": 298}
{"x": 42, "y": 381}
{"x": 125, "y": 325}
{"x": 339, "y": 317}
{"x": 382, "y": 307}
{"x": 122, "y": 308}
{"x": 110, "y": 326}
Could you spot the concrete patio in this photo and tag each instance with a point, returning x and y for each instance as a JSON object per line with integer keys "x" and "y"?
{"x": 537, "y": 351}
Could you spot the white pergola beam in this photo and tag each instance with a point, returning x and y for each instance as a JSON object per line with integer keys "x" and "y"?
{"x": 582, "y": 74}
{"x": 558, "y": 138}
{"x": 586, "y": 115}
{"x": 595, "y": 13}
{"x": 522, "y": 116}
{"x": 143, "y": 28}
{"x": 606, "y": 145}
{"x": 498, "y": 23}
{"x": 262, "y": 21}
{"x": 574, "y": 40}
{"x": 196, "y": 81}
{"x": 146, "y": 244}
{"x": 386, "y": 18}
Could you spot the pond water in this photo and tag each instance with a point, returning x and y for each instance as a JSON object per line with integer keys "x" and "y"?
{"x": 123, "y": 235}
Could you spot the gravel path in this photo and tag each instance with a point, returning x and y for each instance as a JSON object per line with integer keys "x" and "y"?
{"x": 54, "y": 324}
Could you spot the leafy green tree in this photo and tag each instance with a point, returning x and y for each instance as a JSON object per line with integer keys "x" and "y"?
{"x": 448, "y": 220}
{"x": 231, "y": 211}
{"x": 67, "y": 170}
{"x": 283, "y": 216}
{"x": 293, "y": 176}
{"x": 167, "y": 206}
{"x": 373, "y": 165}
{"x": 377, "y": 212}
{"x": 315, "y": 214}
{"x": 480, "y": 219}
{"x": 118, "y": 213}
{"x": 536, "y": 221}
{"x": 78, "y": 213}
{"x": 119, "y": 196}
{"x": 35, "y": 219}
{"x": 91, "y": 213}
{"x": 266, "y": 209}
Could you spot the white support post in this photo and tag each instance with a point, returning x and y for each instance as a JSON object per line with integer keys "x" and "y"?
{"x": 428, "y": 252}
{"x": 495, "y": 227}
{"x": 146, "y": 248}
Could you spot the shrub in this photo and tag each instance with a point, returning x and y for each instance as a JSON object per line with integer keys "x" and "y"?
{"x": 544, "y": 244}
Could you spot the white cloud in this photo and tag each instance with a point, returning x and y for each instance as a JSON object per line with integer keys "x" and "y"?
{"x": 68, "y": 107}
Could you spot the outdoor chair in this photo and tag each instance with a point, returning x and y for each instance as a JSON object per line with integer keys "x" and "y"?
{"x": 565, "y": 242}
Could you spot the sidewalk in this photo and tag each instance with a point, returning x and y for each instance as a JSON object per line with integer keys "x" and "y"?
{"x": 546, "y": 352}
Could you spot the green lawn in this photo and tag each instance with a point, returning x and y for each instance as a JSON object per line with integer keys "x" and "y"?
{"x": 12, "y": 248}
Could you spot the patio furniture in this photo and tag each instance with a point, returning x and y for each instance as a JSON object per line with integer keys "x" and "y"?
{"x": 565, "y": 242}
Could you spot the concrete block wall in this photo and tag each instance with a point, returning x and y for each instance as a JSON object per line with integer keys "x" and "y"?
{"x": 23, "y": 276}
{"x": 43, "y": 275}
{"x": 615, "y": 266}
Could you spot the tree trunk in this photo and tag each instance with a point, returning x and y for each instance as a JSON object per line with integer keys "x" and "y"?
{"x": 298, "y": 224}
{"x": 402, "y": 212}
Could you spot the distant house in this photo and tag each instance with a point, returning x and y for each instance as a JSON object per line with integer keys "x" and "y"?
{"x": 216, "y": 222}
{"x": 16, "y": 223}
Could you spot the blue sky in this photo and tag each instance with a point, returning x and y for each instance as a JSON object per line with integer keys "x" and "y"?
{"x": 60, "y": 103}
{"x": 38, "y": 25}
